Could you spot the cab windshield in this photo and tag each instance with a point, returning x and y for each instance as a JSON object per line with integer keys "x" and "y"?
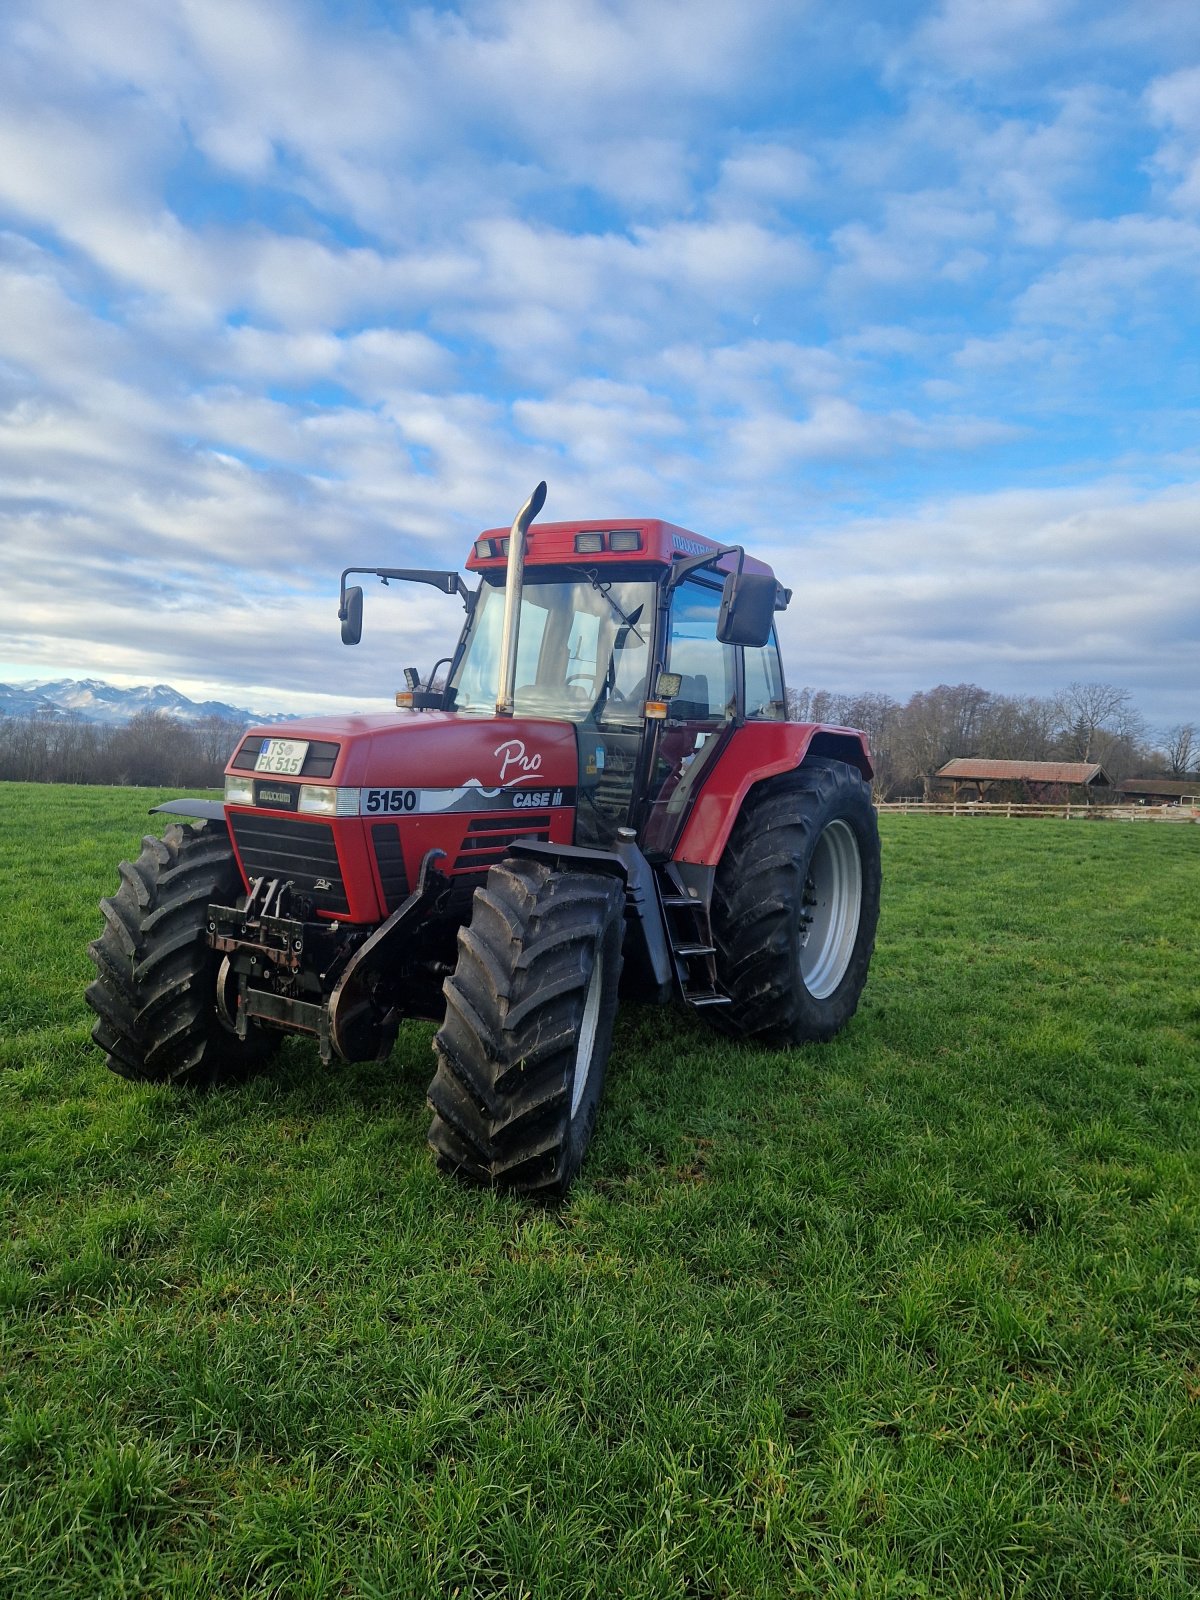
{"x": 583, "y": 652}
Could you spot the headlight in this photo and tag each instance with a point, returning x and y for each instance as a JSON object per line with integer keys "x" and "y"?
{"x": 239, "y": 791}
{"x": 321, "y": 800}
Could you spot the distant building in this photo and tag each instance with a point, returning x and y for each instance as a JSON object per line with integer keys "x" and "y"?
{"x": 1158, "y": 791}
{"x": 1033, "y": 781}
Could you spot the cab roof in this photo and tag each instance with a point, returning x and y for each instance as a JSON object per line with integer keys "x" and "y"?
{"x": 553, "y": 544}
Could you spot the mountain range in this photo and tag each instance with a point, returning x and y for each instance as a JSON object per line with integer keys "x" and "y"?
{"x": 97, "y": 701}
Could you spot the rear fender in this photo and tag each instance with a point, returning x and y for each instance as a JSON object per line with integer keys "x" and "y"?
{"x": 756, "y": 751}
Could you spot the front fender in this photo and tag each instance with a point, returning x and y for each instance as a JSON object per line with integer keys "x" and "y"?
{"x": 755, "y": 751}
{"x": 649, "y": 965}
{"x": 208, "y": 810}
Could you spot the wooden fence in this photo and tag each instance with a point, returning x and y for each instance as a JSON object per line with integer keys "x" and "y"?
{"x": 1070, "y": 811}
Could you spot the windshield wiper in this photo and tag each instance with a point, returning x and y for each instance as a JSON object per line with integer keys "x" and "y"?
{"x": 605, "y": 591}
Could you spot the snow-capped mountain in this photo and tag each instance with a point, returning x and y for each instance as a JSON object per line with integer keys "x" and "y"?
{"x": 97, "y": 701}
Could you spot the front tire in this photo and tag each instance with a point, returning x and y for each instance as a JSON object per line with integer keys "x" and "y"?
{"x": 528, "y": 1028}
{"x": 154, "y": 993}
{"x": 796, "y": 903}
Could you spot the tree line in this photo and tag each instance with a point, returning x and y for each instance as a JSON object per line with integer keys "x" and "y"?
{"x": 153, "y": 749}
{"x": 909, "y": 740}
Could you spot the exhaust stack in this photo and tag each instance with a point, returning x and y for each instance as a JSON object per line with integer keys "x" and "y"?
{"x": 514, "y": 580}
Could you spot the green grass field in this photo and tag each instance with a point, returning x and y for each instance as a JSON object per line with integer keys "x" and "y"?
{"x": 916, "y": 1313}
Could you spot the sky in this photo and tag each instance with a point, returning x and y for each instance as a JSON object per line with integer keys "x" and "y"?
{"x": 904, "y": 296}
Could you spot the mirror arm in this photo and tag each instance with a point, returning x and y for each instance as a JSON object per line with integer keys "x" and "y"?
{"x": 447, "y": 582}
{"x": 683, "y": 569}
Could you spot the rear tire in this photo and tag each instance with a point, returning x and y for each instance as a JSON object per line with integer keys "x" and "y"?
{"x": 795, "y": 905}
{"x": 154, "y": 993}
{"x": 528, "y": 1028}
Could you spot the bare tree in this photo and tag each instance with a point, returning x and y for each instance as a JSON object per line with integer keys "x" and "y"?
{"x": 811, "y": 705}
{"x": 1018, "y": 728}
{"x": 1180, "y": 748}
{"x": 878, "y": 716}
{"x": 938, "y": 724}
{"x": 1094, "y": 715}
{"x": 216, "y": 739}
{"x": 1122, "y": 757}
{"x": 71, "y": 749}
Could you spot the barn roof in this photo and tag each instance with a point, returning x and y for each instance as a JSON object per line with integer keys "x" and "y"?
{"x": 974, "y": 770}
{"x": 1173, "y": 786}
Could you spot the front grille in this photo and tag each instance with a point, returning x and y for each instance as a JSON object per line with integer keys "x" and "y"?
{"x": 318, "y": 763}
{"x": 488, "y": 839}
{"x": 389, "y": 858}
{"x": 302, "y": 852}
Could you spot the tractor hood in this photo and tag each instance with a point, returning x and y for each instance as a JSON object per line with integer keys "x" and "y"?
{"x": 414, "y": 750}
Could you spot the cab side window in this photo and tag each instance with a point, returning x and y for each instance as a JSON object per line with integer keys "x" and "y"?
{"x": 764, "y": 684}
{"x": 708, "y": 692}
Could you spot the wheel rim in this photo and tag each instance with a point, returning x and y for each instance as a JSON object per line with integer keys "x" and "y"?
{"x": 587, "y": 1033}
{"x": 832, "y": 899}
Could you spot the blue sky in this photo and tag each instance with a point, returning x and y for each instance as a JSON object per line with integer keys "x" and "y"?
{"x": 902, "y": 295}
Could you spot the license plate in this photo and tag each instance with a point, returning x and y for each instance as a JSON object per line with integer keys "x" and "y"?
{"x": 284, "y": 756}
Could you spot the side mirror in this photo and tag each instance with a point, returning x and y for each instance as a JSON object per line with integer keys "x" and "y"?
{"x": 747, "y": 609}
{"x": 351, "y": 615}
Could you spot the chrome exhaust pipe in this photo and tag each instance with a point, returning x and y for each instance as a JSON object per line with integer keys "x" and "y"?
{"x": 514, "y": 582}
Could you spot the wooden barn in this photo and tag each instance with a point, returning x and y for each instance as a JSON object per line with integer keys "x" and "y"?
{"x": 1158, "y": 791}
{"x": 1038, "y": 782}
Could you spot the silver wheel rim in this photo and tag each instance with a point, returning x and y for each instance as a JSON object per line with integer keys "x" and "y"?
{"x": 587, "y": 1033}
{"x": 832, "y": 899}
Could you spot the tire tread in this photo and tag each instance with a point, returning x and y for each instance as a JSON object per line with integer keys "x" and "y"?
{"x": 506, "y": 1050}
{"x": 153, "y": 989}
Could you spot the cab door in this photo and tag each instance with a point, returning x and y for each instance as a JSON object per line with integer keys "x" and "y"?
{"x": 699, "y": 717}
{"x": 611, "y": 658}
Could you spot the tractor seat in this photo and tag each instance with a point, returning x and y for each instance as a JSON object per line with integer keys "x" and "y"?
{"x": 692, "y": 704}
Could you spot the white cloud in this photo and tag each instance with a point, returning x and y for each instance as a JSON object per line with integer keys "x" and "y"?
{"x": 600, "y": 425}
{"x": 974, "y": 37}
{"x": 836, "y": 428}
{"x": 289, "y": 285}
{"x": 570, "y": 63}
{"x": 1174, "y": 102}
{"x": 760, "y": 178}
{"x": 1111, "y": 266}
{"x": 1019, "y": 591}
{"x": 744, "y": 374}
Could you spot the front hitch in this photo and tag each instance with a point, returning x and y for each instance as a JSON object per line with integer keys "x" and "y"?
{"x": 282, "y": 970}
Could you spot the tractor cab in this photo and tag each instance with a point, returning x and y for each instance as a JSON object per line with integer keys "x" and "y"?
{"x": 584, "y": 656}
{"x": 652, "y": 642}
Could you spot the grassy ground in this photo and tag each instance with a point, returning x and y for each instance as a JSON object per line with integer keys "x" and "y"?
{"x": 912, "y": 1314}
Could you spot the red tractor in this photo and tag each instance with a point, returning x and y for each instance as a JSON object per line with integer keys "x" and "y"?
{"x": 600, "y": 791}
